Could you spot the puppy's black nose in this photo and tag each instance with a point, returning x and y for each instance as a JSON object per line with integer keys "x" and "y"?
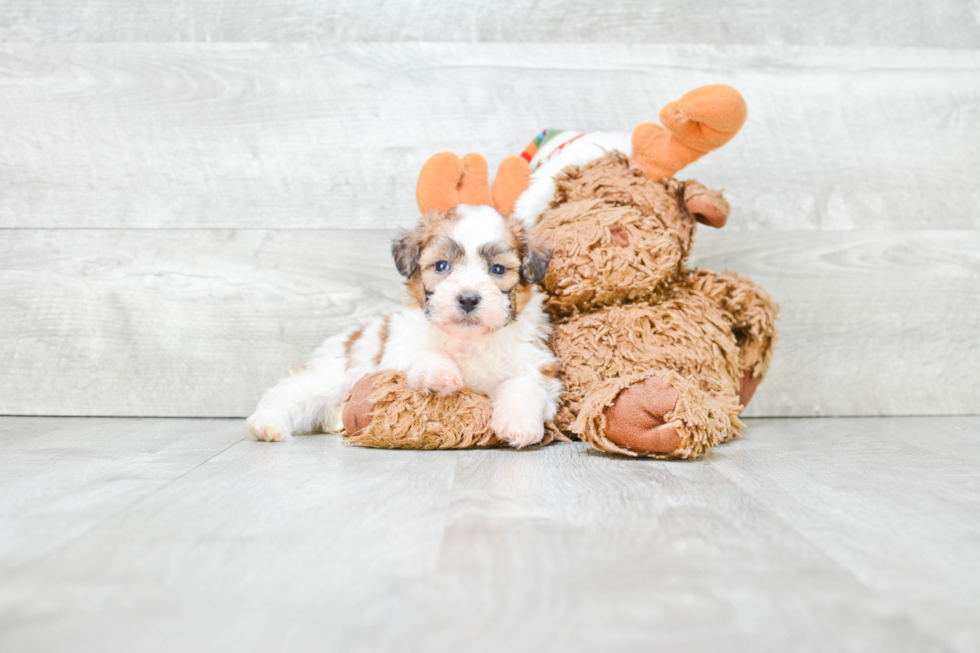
{"x": 468, "y": 301}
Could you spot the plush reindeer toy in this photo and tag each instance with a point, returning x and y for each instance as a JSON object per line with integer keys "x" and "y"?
{"x": 656, "y": 359}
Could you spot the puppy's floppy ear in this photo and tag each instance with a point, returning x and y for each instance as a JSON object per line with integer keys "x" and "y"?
{"x": 534, "y": 265}
{"x": 406, "y": 250}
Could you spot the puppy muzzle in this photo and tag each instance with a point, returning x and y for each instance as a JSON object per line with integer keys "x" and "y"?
{"x": 468, "y": 301}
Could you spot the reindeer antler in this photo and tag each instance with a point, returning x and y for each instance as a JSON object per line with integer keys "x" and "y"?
{"x": 701, "y": 121}
{"x": 446, "y": 180}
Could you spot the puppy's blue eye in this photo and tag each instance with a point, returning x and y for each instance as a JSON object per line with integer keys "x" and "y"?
{"x": 497, "y": 269}
{"x": 442, "y": 266}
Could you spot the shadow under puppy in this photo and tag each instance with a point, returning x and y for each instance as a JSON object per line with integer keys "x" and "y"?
{"x": 473, "y": 319}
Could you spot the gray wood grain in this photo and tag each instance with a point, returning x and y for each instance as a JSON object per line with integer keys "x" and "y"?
{"x": 804, "y": 535}
{"x": 200, "y": 322}
{"x": 912, "y": 23}
{"x": 60, "y": 479}
{"x": 876, "y": 508}
{"x": 333, "y": 135}
{"x": 278, "y": 543}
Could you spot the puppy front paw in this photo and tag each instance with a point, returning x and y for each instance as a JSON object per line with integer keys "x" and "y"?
{"x": 267, "y": 429}
{"x": 519, "y": 428}
{"x": 439, "y": 376}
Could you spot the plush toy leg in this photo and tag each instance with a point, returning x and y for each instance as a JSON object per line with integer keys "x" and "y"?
{"x": 385, "y": 412}
{"x": 660, "y": 414}
{"x": 755, "y": 316}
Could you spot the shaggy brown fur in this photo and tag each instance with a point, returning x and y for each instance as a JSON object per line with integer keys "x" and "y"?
{"x": 349, "y": 344}
{"x": 626, "y": 309}
{"x": 615, "y": 237}
{"x": 413, "y": 420}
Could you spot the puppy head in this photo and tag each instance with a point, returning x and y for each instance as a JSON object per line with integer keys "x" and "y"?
{"x": 471, "y": 269}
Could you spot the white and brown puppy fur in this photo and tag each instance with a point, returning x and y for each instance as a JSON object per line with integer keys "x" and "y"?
{"x": 473, "y": 319}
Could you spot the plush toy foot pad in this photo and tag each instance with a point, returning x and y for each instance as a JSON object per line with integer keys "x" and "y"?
{"x": 708, "y": 207}
{"x": 359, "y": 409}
{"x": 747, "y": 386}
{"x": 635, "y": 420}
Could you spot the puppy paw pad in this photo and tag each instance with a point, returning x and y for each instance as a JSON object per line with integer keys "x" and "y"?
{"x": 440, "y": 378}
{"x": 519, "y": 430}
{"x": 266, "y": 430}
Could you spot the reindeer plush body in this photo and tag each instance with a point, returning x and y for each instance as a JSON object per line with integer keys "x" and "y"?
{"x": 656, "y": 359}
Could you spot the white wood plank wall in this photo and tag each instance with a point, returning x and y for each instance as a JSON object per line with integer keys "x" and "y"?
{"x": 193, "y": 194}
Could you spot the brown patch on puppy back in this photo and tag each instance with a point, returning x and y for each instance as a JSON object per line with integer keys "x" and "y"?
{"x": 349, "y": 344}
{"x": 383, "y": 334}
{"x": 551, "y": 370}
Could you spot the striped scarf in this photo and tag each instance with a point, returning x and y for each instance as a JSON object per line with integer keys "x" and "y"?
{"x": 548, "y": 137}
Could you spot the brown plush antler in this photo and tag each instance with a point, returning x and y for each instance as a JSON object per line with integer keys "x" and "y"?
{"x": 701, "y": 121}
{"x": 446, "y": 180}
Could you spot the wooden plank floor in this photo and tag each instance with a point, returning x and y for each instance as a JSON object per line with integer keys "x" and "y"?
{"x": 857, "y": 534}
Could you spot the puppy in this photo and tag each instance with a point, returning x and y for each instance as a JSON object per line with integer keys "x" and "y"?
{"x": 473, "y": 319}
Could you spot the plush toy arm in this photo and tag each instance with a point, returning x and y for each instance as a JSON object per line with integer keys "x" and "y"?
{"x": 385, "y": 412}
{"x": 701, "y": 121}
{"x": 755, "y": 316}
{"x": 707, "y": 206}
